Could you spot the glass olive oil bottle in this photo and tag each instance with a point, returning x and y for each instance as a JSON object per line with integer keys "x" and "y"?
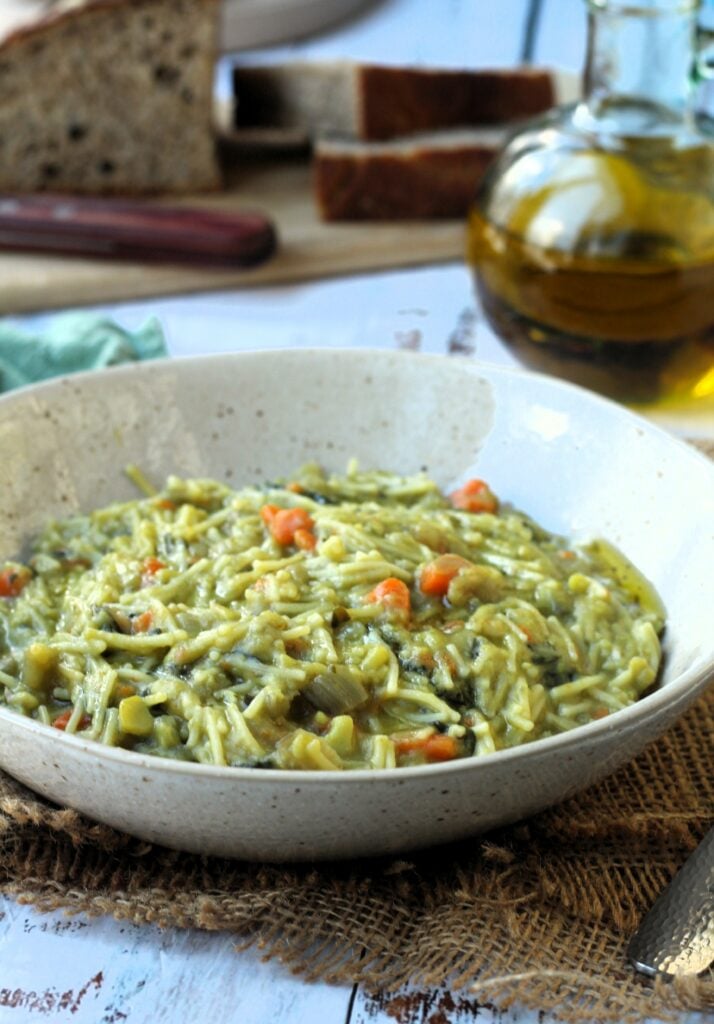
{"x": 592, "y": 237}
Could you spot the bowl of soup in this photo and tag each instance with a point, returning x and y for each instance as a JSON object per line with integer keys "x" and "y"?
{"x": 299, "y": 605}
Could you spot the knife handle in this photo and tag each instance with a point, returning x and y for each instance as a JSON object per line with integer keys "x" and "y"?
{"x": 140, "y": 231}
{"x": 677, "y": 935}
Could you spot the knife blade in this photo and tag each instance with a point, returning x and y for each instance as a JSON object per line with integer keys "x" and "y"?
{"x": 142, "y": 231}
{"x": 677, "y": 934}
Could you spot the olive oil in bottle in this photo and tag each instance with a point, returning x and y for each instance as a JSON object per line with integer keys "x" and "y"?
{"x": 592, "y": 239}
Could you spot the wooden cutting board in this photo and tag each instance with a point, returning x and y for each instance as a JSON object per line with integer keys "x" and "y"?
{"x": 308, "y": 249}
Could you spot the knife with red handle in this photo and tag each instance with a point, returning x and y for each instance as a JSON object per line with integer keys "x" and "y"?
{"x": 141, "y": 231}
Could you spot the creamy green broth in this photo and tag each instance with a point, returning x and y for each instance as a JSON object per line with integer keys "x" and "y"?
{"x": 322, "y": 622}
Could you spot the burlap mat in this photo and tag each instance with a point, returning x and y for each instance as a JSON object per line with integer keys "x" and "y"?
{"x": 537, "y": 914}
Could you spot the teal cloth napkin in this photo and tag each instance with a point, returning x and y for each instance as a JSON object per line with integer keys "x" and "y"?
{"x": 72, "y": 342}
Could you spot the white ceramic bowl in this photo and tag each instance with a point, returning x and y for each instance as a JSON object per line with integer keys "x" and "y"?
{"x": 577, "y": 463}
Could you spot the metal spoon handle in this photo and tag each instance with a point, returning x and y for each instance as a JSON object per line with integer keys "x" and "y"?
{"x": 677, "y": 935}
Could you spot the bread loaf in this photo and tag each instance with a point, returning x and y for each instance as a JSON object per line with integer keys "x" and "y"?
{"x": 109, "y": 96}
{"x": 375, "y": 102}
{"x": 428, "y": 176}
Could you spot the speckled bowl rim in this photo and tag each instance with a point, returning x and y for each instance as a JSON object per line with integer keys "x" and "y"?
{"x": 660, "y": 697}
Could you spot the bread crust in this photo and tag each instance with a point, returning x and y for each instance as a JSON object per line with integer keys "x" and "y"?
{"x": 57, "y": 15}
{"x": 426, "y": 183}
{"x": 395, "y": 100}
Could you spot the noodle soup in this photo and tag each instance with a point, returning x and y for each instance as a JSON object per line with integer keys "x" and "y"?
{"x": 321, "y": 622}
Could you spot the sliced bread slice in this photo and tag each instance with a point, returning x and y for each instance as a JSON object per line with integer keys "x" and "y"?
{"x": 110, "y": 96}
{"x": 373, "y": 102}
{"x": 421, "y": 177}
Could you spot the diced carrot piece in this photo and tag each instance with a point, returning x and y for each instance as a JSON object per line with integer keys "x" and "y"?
{"x": 600, "y": 713}
{"x": 165, "y": 503}
{"x": 288, "y": 521}
{"x": 407, "y": 744}
{"x": 149, "y": 568}
{"x": 62, "y": 720}
{"x": 142, "y": 623}
{"x": 474, "y": 496}
{"x": 268, "y": 513}
{"x": 294, "y": 487}
{"x": 392, "y": 594}
{"x": 13, "y": 580}
{"x": 436, "y": 747}
{"x": 283, "y": 522}
{"x": 436, "y": 576}
{"x": 305, "y": 540}
{"x": 441, "y": 748}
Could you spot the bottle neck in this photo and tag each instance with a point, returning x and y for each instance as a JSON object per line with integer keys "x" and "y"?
{"x": 639, "y": 64}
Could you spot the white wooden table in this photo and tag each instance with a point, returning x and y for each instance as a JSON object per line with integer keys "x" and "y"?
{"x": 104, "y": 972}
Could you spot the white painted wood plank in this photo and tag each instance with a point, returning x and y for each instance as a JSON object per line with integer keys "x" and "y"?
{"x": 100, "y": 971}
{"x": 431, "y": 308}
{"x": 439, "y": 1005}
